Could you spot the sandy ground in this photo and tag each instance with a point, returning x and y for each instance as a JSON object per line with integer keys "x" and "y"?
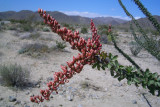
{"x": 102, "y": 89}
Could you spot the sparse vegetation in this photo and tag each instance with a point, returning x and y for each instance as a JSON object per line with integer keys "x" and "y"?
{"x": 60, "y": 45}
{"x": 45, "y": 29}
{"x": 68, "y": 26}
{"x": 135, "y": 48}
{"x": 14, "y": 75}
{"x": 84, "y": 30}
{"x": 34, "y": 35}
{"x": 27, "y": 27}
{"x": 34, "y": 50}
{"x": 12, "y": 28}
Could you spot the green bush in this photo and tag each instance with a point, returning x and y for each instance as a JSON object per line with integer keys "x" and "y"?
{"x": 65, "y": 25}
{"x": 45, "y": 29}
{"x": 68, "y": 26}
{"x": 84, "y": 30}
{"x": 27, "y": 27}
{"x": 14, "y": 75}
{"x": 60, "y": 45}
{"x": 12, "y": 28}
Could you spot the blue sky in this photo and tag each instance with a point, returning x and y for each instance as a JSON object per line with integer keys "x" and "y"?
{"x": 87, "y": 8}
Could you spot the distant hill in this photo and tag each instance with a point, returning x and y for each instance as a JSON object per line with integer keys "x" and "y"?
{"x": 143, "y": 22}
{"x": 59, "y": 16}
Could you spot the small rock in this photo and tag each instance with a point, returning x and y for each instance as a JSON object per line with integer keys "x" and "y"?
{"x": 12, "y": 99}
{"x": 27, "y": 93}
{"x": 109, "y": 94}
{"x": 79, "y": 105}
{"x": 26, "y": 106}
{"x": 106, "y": 89}
{"x": 17, "y": 102}
{"x": 118, "y": 85}
{"x": 54, "y": 93}
{"x": 1, "y": 99}
{"x": 93, "y": 96}
{"x": 50, "y": 79}
{"x": 134, "y": 101}
{"x": 38, "y": 86}
{"x": 31, "y": 95}
{"x": 60, "y": 105}
{"x": 70, "y": 98}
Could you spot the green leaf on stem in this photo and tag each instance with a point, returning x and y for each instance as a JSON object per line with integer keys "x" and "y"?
{"x": 150, "y": 82}
{"x": 115, "y": 58}
{"x": 94, "y": 65}
{"x": 103, "y": 67}
{"x": 129, "y": 82}
{"x": 112, "y": 72}
{"x": 98, "y": 66}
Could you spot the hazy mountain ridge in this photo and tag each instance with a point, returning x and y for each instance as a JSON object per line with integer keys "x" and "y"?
{"x": 59, "y": 16}
{"x": 143, "y": 22}
{"x": 63, "y": 18}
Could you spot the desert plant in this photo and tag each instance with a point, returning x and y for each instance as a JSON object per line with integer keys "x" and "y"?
{"x": 14, "y": 75}
{"x": 86, "y": 57}
{"x": 149, "y": 43}
{"x": 34, "y": 50}
{"x": 84, "y": 30}
{"x": 91, "y": 54}
{"x": 68, "y": 26}
{"x": 45, "y": 29}
{"x": 34, "y": 35}
{"x": 60, "y": 45}
{"x": 12, "y": 28}
{"x": 135, "y": 48}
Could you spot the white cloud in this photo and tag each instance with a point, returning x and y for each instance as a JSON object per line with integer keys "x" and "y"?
{"x": 84, "y": 14}
{"x": 137, "y": 17}
{"x": 92, "y": 15}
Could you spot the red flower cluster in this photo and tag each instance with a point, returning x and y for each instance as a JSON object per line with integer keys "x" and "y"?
{"x": 109, "y": 29}
{"x": 88, "y": 51}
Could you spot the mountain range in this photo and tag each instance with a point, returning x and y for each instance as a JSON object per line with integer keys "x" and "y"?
{"x": 63, "y": 18}
{"x": 59, "y": 16}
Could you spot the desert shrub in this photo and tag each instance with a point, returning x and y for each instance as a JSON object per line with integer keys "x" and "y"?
{"x": 103, "y": 29}
{"x": 65, "y": 25}
{"x": 2, "y": 23}
{"x": 12, "y": 28}
{"x": 60, "y": 45}
{"x": 45, "y": 29}
{"x": 34, "y": 35}
{"x": 27, "y": 27}
{"x": 71, "y": 28}
{"x": 84, "y": 30}
{"x": 104, "y": 39}
{"x": 13, "y": 21}
{"x": 154, "y": 32}
{"x": 135, "y": 48}
{"x": 14, "y": 75}
{"x": 125, "y": 30}
{"x": 34, "y": 50}
{"x": 68, "y": 26}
